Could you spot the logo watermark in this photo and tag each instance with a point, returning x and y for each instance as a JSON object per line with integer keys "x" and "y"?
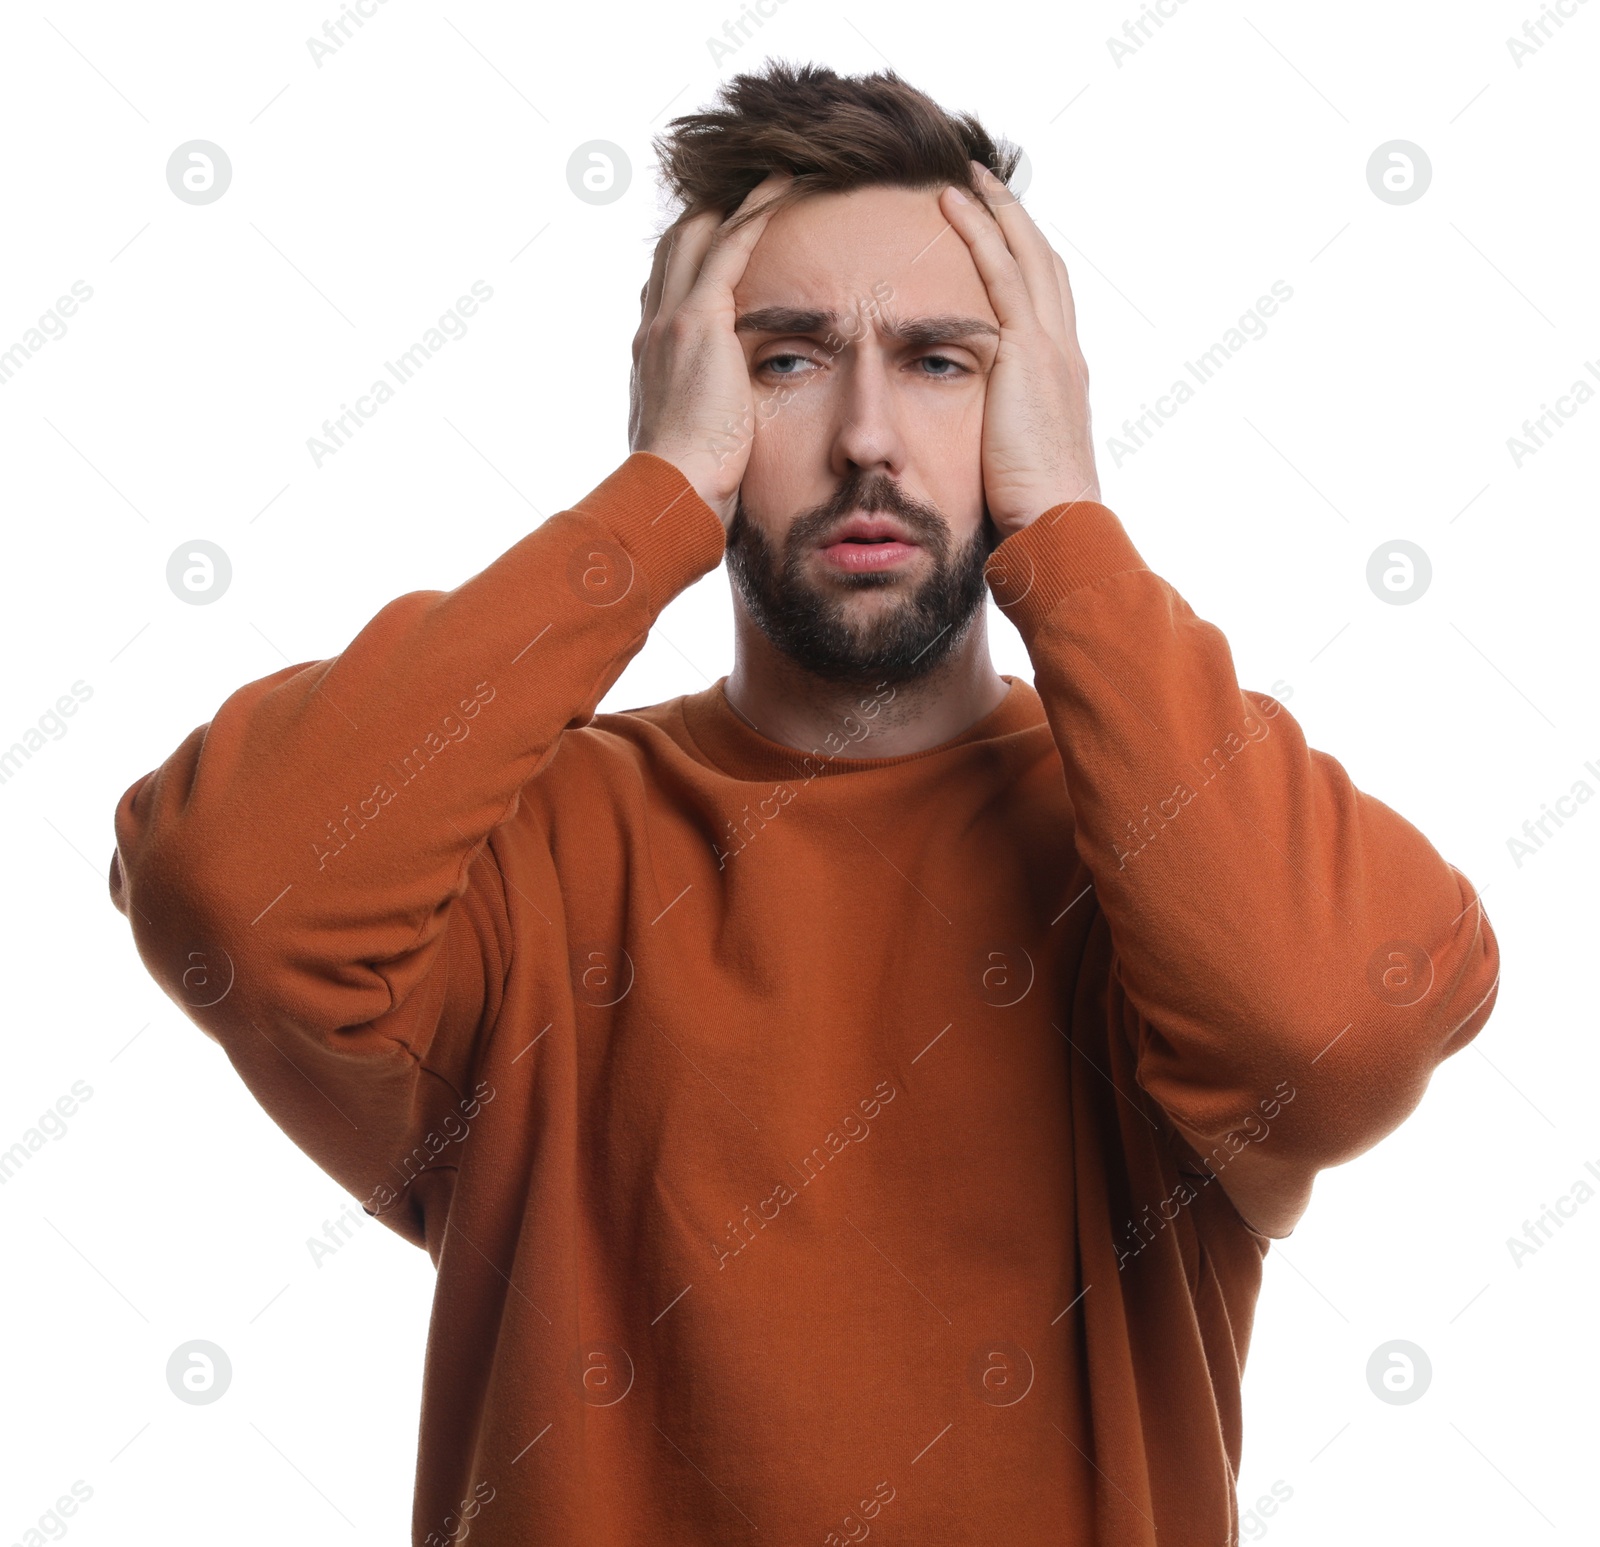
{"x": 1252, "y": 325}
{"x": 1399, "y": 572}
{"x": 50, "y": 724}
{"x": 199, "y": 1373}
{"x": 1234, "y": 1142}
{"x": 1399, "y": 172}
{"x": 432, "y": 1146}
{"x": 199, "y": 572}
{"x": 1137, "y": 31}
{"x": 783, "y": 794}
{"x": 51, "y": 1124}
{"x": 736, "y": 29}
{"x": 836, "y": 1142}
{"x": 52, "y": 1525}
{"x": 1399, "y": 1373}
{"x": 1541, "y": 30}
{"x": 199, "y": 172}
{"x": 52, "y": 325}
{"x": 337, "y": 32}
{"x": 1253, "y": 1521}
{"x": 1537, "y": 433}
{"x": 394, "y": 777}
{"x": 1145, "y": 829}
{"x": 339, "y": 431}
{"x": 1536, "y": 830}
{"x": 1538, "y": 1232}
{"x": 599, "y": 172}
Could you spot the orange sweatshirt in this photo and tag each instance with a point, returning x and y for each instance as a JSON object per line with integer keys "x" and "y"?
{"x": 796, "y": 1137}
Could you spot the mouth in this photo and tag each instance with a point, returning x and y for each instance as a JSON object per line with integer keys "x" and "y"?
{"x": 868, "y": 543}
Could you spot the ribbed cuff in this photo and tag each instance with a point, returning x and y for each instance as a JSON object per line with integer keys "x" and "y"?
{"x": 1070, "y": 546}
{"x": 656, "y": 514}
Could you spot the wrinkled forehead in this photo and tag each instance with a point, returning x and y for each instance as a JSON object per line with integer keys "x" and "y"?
{"x": 878, "y": 245}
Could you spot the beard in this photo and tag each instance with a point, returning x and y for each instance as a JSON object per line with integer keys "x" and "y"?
{"x": 811, "y": 624}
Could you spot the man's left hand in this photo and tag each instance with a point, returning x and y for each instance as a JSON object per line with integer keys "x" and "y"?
{"x": 1037, "y": 445}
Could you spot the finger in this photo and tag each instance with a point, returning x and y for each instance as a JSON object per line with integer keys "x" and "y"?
{"x": 730, "y": 245}
{"x": 691, "y": 239}
{"x": 650, "y": 295}
{"x": 1028, "y": 245}
{"x": 1069, "y": 308}
{"x": 698, "y": 240}
{"x": 1002, "y": 275}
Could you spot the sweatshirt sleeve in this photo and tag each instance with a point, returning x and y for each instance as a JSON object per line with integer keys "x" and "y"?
{"x": 312, "y": 875}
{"x": 1291, "y": 958}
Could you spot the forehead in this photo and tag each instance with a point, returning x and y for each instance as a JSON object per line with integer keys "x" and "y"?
{"x": 833, "y": 250}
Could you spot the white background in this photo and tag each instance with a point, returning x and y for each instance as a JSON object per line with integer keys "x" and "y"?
{"x": 431, "y": 151}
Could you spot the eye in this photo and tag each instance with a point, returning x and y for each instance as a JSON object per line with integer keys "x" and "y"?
{"x": 958, "y": 368}
{"x": 772, "y": 360}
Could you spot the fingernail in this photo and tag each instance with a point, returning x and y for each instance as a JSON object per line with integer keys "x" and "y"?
{"x": 958, "y": 195}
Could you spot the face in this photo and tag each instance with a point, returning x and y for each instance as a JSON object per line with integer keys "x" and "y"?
{"x": 869, "y": 337}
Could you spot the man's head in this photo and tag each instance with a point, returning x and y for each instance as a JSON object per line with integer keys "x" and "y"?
{"x": 869, "y": 335}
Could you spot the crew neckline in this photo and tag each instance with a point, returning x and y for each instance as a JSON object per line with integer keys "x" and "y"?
{"x": 729, "y": 743}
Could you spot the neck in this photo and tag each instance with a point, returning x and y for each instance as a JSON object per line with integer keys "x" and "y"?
{"x": 796, "y": 708}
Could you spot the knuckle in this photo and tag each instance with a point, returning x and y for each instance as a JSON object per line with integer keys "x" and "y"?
{"x": 682, "y": 325}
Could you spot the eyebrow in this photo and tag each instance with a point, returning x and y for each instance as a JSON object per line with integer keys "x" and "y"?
{"x": 909, "y": 330}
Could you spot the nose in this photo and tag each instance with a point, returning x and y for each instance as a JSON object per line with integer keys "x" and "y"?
{"x": 867, "y": 433}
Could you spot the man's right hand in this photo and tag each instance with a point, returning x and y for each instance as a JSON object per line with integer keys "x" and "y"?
{"x": 691, "y": 401}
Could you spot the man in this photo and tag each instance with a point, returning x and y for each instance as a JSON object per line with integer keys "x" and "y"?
{"x": 861, "y": 1092}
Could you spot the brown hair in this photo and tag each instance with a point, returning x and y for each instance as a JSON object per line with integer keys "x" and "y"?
{"x": 833, "y": 132}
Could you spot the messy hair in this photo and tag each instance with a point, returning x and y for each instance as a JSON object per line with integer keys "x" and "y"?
{"x": 833, "y": 132}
